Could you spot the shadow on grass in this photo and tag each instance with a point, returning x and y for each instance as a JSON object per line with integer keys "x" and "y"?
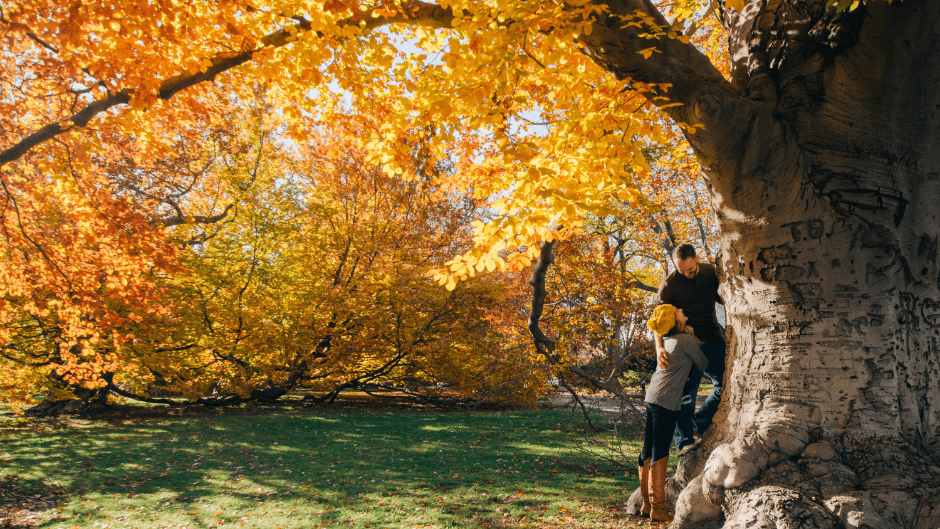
{"x": 314, "y": 467}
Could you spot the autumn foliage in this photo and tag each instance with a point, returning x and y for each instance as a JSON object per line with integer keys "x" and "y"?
{"x": 222, "y": 201}
{"x": 322, "y": 281}
{"x": 309, "y": 268}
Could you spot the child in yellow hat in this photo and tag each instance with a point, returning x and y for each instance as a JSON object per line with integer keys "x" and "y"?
{"x": 663, "y": 400}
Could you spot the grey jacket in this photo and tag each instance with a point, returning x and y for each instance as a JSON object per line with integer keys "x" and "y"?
{"x": 665, "y": 387}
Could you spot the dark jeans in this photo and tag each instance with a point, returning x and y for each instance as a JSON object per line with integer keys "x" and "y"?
{"x": 660, "y": 423}
{"x": 700, "y": 420}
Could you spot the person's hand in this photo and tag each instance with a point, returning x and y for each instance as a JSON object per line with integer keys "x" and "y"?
{"x": 662, "y": 359}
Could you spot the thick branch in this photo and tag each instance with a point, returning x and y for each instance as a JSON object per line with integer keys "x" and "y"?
{"x": 643, "y": 286}
{"x": 704, "y": 96}
{"x": 127, "y": 394}
{"x": 543, "y": 344}
{"x": 615, "y": 43}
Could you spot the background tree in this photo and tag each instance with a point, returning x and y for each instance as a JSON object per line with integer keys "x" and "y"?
{"x": 321, "y": 282}
{"x": 314, "y": 276}
{"x": 86, "y": 241}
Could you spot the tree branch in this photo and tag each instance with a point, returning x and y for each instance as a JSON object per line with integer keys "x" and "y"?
{"x": 421, "y": 14}
{"x": 543, "y": 344}
{"x": 195, "y": 219}
{"x": 700, "y": 17}
{"x": 577, "y": 399}
{"x": 705, "y": 98}
{"x": 643, "y": 286}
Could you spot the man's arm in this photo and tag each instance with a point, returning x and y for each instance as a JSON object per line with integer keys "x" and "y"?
{"x": 663, "y": 296}
{"x": 662, "y": 359}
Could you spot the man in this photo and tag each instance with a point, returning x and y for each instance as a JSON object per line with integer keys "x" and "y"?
{"x": 693, "y": 287}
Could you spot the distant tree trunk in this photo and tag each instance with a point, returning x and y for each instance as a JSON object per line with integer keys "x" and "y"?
{"x": 823, "y": 158}
{"x": 86, "y": 401}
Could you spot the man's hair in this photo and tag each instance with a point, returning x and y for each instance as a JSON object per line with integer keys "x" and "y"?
{"x": 683, "y": 252}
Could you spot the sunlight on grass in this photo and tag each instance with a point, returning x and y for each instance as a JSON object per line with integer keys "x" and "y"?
{"x": 315, "y": 468}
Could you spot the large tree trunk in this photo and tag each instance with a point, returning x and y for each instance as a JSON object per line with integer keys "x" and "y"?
{"x": 823, "y": 161}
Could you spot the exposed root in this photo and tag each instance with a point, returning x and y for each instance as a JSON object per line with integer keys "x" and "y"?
{"x": 771, "y": 507}
{"x": 783, "y": 473}
{"x": 780, "y": 474}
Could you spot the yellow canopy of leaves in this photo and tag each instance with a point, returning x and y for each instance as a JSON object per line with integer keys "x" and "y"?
{"x": 122, "y": 137}
{"x": 562, "y": 137}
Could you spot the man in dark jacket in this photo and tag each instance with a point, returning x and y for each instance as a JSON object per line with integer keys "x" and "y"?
{"x": 693, "y": 287}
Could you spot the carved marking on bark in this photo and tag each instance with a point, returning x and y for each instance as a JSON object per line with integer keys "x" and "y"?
{"x": 776, "y": 257}
{"x": 811, "y": 269}
{"x": 845, "y": 291}
{"x": 805, "y": 230}
{"x": 927, "y": 249}
{"x": 906, "y": 306}
{"x": 845, "y": 327}
{"x": 930, "y": 312}
{"x": 877, "y": 317}
{"x": 806, "y": 295}
{"x": 873, "y": 273}
{"x": 854, "y": 201}
{"x": 775, "y": 254}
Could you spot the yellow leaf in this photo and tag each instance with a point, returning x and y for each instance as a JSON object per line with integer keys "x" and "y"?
{"x": 490, "y": 265}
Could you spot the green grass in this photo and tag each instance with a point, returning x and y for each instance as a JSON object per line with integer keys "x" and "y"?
{"x": 295, "y": 467}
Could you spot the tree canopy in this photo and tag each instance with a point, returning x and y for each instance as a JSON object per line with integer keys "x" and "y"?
{"x": 135, "y": 131}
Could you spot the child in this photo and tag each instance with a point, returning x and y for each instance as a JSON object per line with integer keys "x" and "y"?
{"x": 663, "y": 400}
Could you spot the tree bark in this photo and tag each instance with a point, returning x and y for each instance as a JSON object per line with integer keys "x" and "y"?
{"x": 822, "y": 156}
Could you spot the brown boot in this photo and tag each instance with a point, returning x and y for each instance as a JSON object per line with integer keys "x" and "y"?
{"x": 645, "y": 488}
{"x": 657, "y": 492}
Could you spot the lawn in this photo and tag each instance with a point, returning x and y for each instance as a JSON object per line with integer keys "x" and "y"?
{"x": 291, "y": 467}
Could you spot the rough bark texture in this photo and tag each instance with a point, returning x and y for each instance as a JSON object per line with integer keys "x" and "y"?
{"x": 822, "y": 156}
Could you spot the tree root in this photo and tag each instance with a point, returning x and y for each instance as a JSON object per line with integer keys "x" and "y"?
{"x": 773, "y": 507}
{"x": 782, "y": 473}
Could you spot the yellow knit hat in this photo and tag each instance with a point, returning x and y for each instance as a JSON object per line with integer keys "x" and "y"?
{"x": 662, "y": 320}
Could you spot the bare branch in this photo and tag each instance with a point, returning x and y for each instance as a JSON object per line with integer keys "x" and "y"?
{"x": 643, "y": 286}
{"x": 577, "y": 399}
{"x": 196, "y": 219}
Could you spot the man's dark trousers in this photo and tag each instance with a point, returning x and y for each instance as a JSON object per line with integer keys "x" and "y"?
{"x": 699, "y": 421}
